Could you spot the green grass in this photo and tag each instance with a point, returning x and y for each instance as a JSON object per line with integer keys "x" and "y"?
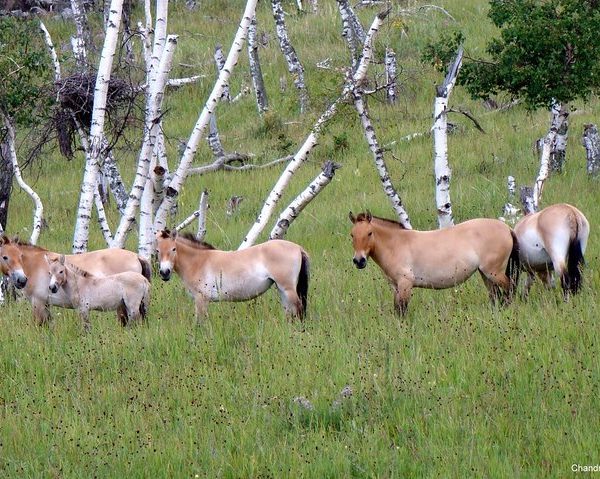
{"x": 454, "y": 389}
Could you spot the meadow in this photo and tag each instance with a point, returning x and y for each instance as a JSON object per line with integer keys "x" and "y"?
{"x": 457, "y": 388}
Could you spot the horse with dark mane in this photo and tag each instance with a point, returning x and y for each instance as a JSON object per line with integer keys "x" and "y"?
{"x": 214, "y": 275}
{"x": 438, "y": 259}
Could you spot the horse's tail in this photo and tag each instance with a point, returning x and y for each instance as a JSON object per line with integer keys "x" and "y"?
{"x": 513, "y": 267}
{"x": 145, "y": 302}
{"x": 146, "y": 268}
{"x": 302, "y": 285}
{"x": 571, "y": 279}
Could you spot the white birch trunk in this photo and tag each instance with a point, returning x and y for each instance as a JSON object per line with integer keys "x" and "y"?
{"x": 511, "y": 213}
{"x": 303, "y": 199}
{"x": 352, "y": 30}
{"x": 39, "y": 207}
{"x": 202, "y": 208}
{"x": 102, "y": 221}
{"x": 158, "y": 186}
{"x": 177, "y": 82}
{"x": 542, "y": 176}
{"x": 302, "y": 154}
{"x": 90, "y": 177}
{"x": 81, "y": 42}
{"x": 591, "y": 141}
{"x": 255, "y": 70}
{"x": 390, "y": 75}
{"x": 384, "y": 175}
{"x": 160, "y": 37}
{"x": 560, "y": 122}
{"x": 151, "y": 125}
{"x": 52, "y": 50}
{"x": 440, "y": 142}
{"x": 192, "y": 144}
{"x": 145, "y": 235}
{"x": 220, "y": 63}
{"x": 294, "y": 66}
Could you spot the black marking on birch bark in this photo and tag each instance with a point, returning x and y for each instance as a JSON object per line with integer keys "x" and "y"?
{"x": 171, "y": 192}
{"x": 443, "y": 179}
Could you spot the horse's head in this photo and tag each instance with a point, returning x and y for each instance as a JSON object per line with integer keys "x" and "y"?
{"x": 166, "y": 249}
{"x": 11, "y": 262}
{"x": 362, "y": 238}
{"x": 58, "y": 272}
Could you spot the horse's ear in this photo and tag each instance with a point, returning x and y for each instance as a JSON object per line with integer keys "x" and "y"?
{"x": 352, "y": 217}
{"x": 369, "y": 216}
{"x": 4, "y": 240}
{"x": 62, "y": 259}
{"x": 174, "y": 234}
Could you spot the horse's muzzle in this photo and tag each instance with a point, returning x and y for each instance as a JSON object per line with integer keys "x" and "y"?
{"x": 53, "y": 288}
{"x": 165, "y": 274}
{"x": 20, "y": 281}
{"x": 360, "y": 263}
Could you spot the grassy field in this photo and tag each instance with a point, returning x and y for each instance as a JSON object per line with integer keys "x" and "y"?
{"x": 454, "y": 389}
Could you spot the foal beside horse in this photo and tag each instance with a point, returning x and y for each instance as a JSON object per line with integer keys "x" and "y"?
{"x": 438, "y": 259}
{"x": 553, "y": 239}
{"x": 86, "y": 292}
{"x": 214, "y": 275}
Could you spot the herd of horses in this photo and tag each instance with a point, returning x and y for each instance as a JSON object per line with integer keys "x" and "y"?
{"x": 543, "y": 243}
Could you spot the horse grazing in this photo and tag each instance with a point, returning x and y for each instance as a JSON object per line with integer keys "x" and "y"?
{"x": 128, "y": 291}
{"x": 553, "y": 239}
{"x": 28, "y": 267}
{"x": 214, "y": 275}
{"x": 438, "y": 259}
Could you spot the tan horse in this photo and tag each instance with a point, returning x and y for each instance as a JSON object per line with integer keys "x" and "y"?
{"x": 128, "y": 291}
{"x": 27, "y": 263}
{"x": 553, "y": 239}
{"x": 215, "y": 275}
{"x": 437, "y": 259}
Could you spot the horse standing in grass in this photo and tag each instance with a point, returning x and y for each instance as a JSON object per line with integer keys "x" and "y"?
{"x": 214, "y": 275}
{"x": 553, "y": 239}
{"x": 28, "y": 267}
{"x": 128, "y": 291}
{"x": 438, "y": 259}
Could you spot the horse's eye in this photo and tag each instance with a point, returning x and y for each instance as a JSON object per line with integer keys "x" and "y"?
{"x": 370, "y": 233}
{"x": 173, "y": 250}
{"x": 5, "y": 258}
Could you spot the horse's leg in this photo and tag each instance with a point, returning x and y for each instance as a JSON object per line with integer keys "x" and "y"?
{"x": 122, "y": 314}
{"x": 494, "y": 286}
{"x": 84, "y": 315}
{"x": 292, "y": 304}
{"x": 41, "y": 312}
{"x": 528, "y": 282}
{"x": 402, "y": 295}
{"x": 201, "y": 307}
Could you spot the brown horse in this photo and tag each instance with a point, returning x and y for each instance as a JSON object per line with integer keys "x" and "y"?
{"x": 214, "y": 275}
{"x": 27, "y": 263}
{"x": 438, "y": 259}
{"x": 127, "y": 291}
{"x": 553, "y": 239}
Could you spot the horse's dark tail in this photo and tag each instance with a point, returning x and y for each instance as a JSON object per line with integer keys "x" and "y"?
{"x": 146, "y": 268}
{"x": 513, "y": 267}
{"x": 571, "y": 279}
{"x": 302, "y": 285}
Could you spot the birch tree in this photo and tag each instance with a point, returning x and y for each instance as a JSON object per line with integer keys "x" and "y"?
{"x": 90, "y": 176}
{"x": 179, "y": 175}
{"x": 258, "y": 83}
{"x": 440, "y": 144}
{"x": 591, "y": 142}
{"x": 310, "y": 142}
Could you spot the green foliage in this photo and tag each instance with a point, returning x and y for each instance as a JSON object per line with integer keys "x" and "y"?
{"x": 547, "y": 49}
{"x": 24, "y": 68}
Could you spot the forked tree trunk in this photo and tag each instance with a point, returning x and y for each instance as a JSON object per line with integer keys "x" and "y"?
{"x": 560, "y": 122}
{"x": 90, "y": 177}
{"x": 190, "y": 149}
{"x": 440, "y": 144}
{"x": 352, "y": 30}
{"x": 294, "y": 66}
{"x": 310, "y": 142}
{"x": 384, "y": 176}
{"x": 255, "y": 70}
{"x": 591, "y": 141}
{"x": 303, "y": 199}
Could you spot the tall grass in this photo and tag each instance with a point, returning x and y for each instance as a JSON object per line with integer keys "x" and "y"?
{"x": 454, "y": 389}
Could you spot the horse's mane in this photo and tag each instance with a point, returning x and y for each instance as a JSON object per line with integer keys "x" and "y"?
{"x": 192, "y": 241}
{"x": 20, "y": 242}
{"x": 78, "y": 271}
{"x": 386, "y": 221}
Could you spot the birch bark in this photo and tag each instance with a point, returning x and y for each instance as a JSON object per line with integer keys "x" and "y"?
{"x": 390, "y": 75}
{"x": 294, "y": 66}
{"x": 88, "y": 185}
{"x": 440, "y": 144}
{"x": 591, "y": 141}
{"x": 310, "y": 142}
{"x": 538, "y": 186}
{"x": 384, "y": 176}
{"x": 262, "y": 102}
{"x": 12, "y": 152}
{"x": 154, "y": 99}
{"x": 303, "y": 199}
{"x": 190, "y": 149}
{"x": 82, "y": 41}
{"x": 560, "y": 121}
